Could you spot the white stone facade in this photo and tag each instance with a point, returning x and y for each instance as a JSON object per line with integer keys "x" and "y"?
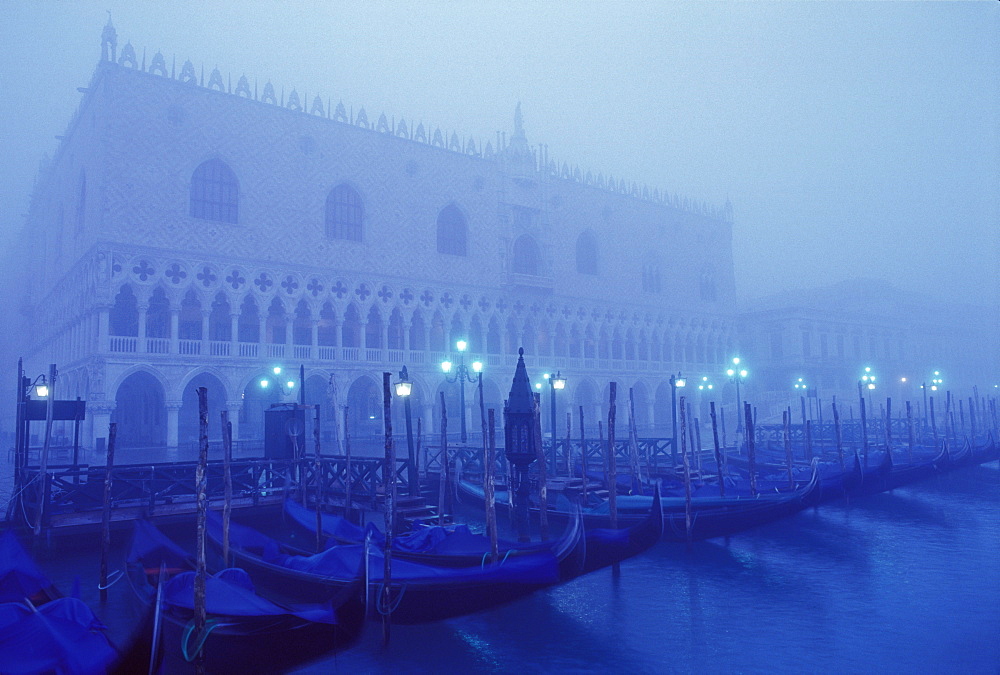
{"x": 113, "y": 209}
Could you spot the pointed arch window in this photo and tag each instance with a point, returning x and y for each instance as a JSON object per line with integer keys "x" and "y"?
{"x": 215, "y": 192}
{"x": 586, "y": 253}
{"x": 344, "y": 214}
{"x": 525, "y": 257}
{"x": 451, "y": 231}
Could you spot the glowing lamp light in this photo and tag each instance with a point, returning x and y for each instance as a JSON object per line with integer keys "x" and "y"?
{"x": 680, "y": 382}
{"x": 477, "y": 366}
{"x": 42, "y": 390}
{"x": 743, "y": 373}
{"x": 871, "y": 385}
{"x": 902, "y": 379}
{"x": 538, "y": 385}
{"x": 736, "y": 360}
{"x": 730, "y": 372}
{"x": 277, "y": 370}
{"x": 558, "y": 382}
{"x": 933, "y": 387}
{"x": 264, "y": 384}
{"x": 446, "y": 366}
{"x": 403, "y": 388}
{"x": 461, "y": 345}
{"x": 290, "y": 384}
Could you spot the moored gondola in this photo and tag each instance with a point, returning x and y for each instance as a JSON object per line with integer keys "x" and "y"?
{"x": 244, "y": 630}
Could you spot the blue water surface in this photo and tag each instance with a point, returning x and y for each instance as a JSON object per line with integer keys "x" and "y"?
{"x": 904, "y": 582}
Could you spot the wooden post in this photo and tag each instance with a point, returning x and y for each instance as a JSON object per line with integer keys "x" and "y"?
{"x": 809, "y": 441}
{"x": 482, "y": 419}
{"x": 698, "y": 446}
{"x": 909, "y": 428}
{"x": 687, "y": 472}
{"x": 106, "y": 514}
{"x": 787, "y": 436}
{"x": 751, "y": 448}
{"x": 838, "y": 434}
{"x": 633, "y": 443}
{"x": 888, "y": 425}
{"x": 722, "y": 420}
{"x": 972, "y": 422}
{"x": 961, "y": 413}
{"x": 443, "y": 471}
{"x": 569, "y": 447}
{"x": 201, "y": 490}
{"x": 488, "y": 487}
{"x": 718, "y": 451}
{"x": 389, "y": 487}
{"x": 543, "y": 486}
{"x": 227, "y": 460}
{"x": 348, "y": 478}
{"x": 43, "y": 467}
{"x": 318, "y": 475}
{"x": 612, "y": 466}
{"x": 864, "y": 425}
{"x": 583, "y": 456}
{"x": 421, "y": 465}
{"x": 933, "y": 422}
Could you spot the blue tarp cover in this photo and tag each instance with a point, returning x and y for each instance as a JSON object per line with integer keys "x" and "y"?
{"x": 20, "y": 577}
{"x": 63, "y": 636}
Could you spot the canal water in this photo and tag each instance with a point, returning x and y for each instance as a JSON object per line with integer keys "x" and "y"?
{"x": 905, "y": 582}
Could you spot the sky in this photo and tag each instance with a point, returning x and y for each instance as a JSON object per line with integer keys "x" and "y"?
{"x": 854, "y": 140}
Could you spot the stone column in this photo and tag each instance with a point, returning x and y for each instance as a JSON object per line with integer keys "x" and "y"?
{"x": 234, "y": 408}
{"x": 205, "y": 328}
{"x": 173, "y": 416}
{"x": 175, "y": 323}
{"x": 234, "y": 334}
{"x": 103, "y": 321}
{"x": 262, "y": 335}
{"x": 141, "y": 340}
{"x": 100, "y": 412}
{"x": 314, "y": 340}
{"x": 406, "y": 339}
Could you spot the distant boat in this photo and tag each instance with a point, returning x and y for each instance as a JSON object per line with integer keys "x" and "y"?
{"x": 245, "y": 632}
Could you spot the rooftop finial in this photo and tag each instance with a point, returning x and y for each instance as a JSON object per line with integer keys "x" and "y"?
{"x": 518, "y": 122}
{"x": 109, "y": 40}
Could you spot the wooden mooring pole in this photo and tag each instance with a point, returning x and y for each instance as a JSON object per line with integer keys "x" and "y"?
{"x": 751, "y": 448}
{"x": 201, "y": 490}
{"x": 685, "y": 462}
{"x": 348, "y": 476}
{"x": 838, "y": 433}
{"x": 106, "y": 514}
{"x": 612, "y": 462}
{"x": 443, "y": 472}
{"x": 909, "y": 430}
{"x": 389, "y": 487}
{"x": 318, "y": 477}
{"x": 583, "y": 456}
{"x": 787, "y": 437}
{"x": 543, "y": 487}
{"x": 227, "y": 460}
{"x": 43, "y": 467}
{"x": 489, "y": 486}
{"x": 719, "y": 461}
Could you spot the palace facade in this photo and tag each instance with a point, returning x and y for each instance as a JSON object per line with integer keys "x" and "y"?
{"x": 195, "y": 231}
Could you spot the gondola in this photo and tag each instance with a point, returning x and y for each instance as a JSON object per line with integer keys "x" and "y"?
{"x": 607, "y": 546}
{"x": 41, "y": 631}
{"x": 417, "y": 593}
{"x": 443, "y": 546}
{"x": 713, "y": 515}
{"x": 244, "y": 630}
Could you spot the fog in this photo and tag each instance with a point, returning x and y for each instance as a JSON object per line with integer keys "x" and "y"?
{"x": 853, "y": 140}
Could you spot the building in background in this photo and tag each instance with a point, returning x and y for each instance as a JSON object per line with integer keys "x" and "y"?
{"x": 192, "y": 230}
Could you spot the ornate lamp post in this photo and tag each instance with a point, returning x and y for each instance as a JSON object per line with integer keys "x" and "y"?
{"x": 283, "y": 385}
{"x": 403, "y": 389}
{"x": 519, "y": 441}
{"x": 676, "y": 382}
{"x": 556, "y": 381}
{"x": 736, "y": 376}
{"x": 461, "y": 376}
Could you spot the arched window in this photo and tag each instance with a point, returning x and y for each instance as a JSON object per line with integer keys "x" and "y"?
{"x": 525, "y": 256}
{"x": 451, "y": 231}
{"x": 586, "y": 253}
{"x": 215, "y": 192}
{"x": 344, "y": 213}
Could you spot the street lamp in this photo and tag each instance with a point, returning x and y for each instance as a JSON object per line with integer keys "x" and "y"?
{"x": 705, "y": 384}
{"x": 403, "y": 389}
{"x": 556, "y": 381}
{"x": 676, "y": 382}
{"x": 737, "y": 375}
{"x": 461, "y": 376}
{"x": 937, "y": 381}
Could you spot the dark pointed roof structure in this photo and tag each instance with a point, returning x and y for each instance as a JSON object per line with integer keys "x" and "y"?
{"x": 520, "y": 399}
